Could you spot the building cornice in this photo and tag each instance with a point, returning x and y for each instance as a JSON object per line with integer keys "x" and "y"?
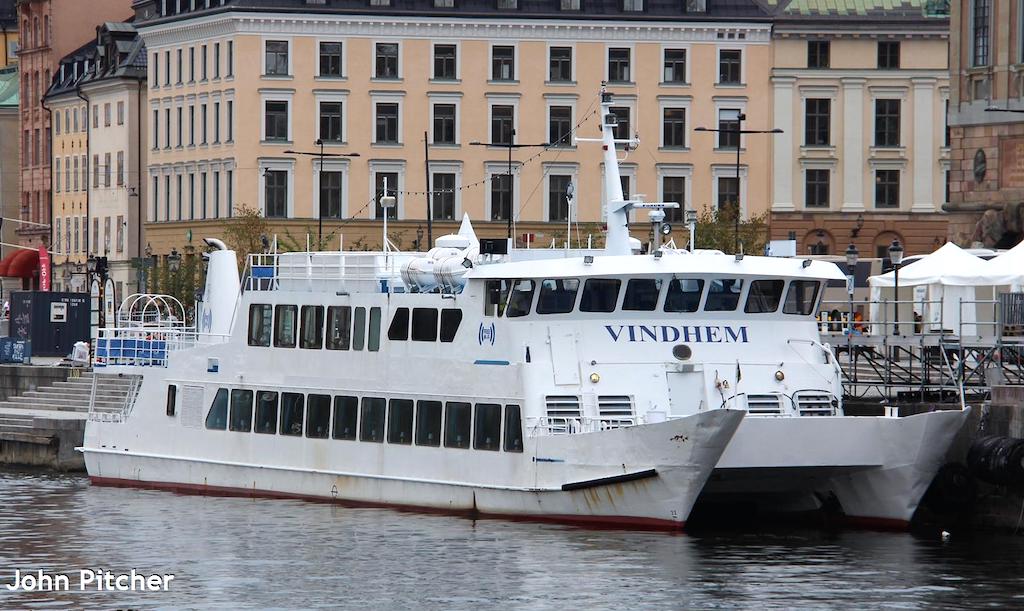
{"x": 370, "y": 26}
{"x": 940, "y": 76}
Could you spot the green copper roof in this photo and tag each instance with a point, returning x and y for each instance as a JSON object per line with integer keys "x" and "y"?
{"x": 861, "y": 8}
{"x": 9, "y": 87}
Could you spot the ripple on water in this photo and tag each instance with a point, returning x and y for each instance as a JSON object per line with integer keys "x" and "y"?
{"x": 230, "y": 553}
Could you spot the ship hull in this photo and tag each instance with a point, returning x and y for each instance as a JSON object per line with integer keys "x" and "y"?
{"x": 645, "y": 476}
{"x": 874, "y": 470}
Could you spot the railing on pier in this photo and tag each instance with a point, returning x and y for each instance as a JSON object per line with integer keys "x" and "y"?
{"x": 942, "y": 358}
{"x": 346, "y": 271}
{"x": 147, "y": 346}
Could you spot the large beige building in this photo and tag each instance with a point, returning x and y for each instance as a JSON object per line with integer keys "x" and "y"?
{"x": 238, "y": 91}
{"x": 860, "y": 91}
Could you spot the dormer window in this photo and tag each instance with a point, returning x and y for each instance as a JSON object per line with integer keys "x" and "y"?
{"x": 632, "y": 6}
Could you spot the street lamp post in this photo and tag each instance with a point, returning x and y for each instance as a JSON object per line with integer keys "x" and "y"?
{"x": 511, "y": 145}
{"x": 738, "y": 131}
{"x": 851, "y": 279}
{"x": 896, "y": 257}
{"x": 320, "y": 184}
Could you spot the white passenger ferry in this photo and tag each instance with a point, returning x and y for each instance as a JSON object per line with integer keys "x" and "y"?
{"x": 598, "y": 388}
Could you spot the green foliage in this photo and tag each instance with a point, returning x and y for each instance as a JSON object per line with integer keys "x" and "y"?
{"x": 244, "y": 231}
{"x": 716, "y": 230}
{"x": 181, "y": 284}
{"x": 305, "y": 240}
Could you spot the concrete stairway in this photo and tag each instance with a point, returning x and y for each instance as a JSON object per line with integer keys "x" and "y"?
{"x": 71, "y": 396}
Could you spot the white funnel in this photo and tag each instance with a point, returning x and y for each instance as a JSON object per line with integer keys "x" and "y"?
{"x": 221, "y": 293}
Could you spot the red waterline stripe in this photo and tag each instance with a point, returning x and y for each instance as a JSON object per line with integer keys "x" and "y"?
{"x": 871, "y": 523}
{"x": 611, "y": 522}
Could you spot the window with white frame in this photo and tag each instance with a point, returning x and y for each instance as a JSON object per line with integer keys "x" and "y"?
{"x": 331, "y": 59}
{"x": 331, "y": 180}
{"x": 386, "y": 62}
{"x": 673, "y": 127}
{"x": 619, "y": 65}
{"x": 730, "y": 67}
{"x": 276, "y": 54}
{"x": 674, "y": 66}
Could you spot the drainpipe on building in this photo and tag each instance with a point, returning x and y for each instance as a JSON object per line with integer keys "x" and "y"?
{"x": 49, "y": 150}
{"x": 138, "y": 175}
{"x": 88, "y": 169}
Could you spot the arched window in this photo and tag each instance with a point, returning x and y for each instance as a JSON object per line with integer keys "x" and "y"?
{"x": 35, "y": 31}
{"x": 884, "y": 240}
{"x": 818, "y": 242}
{"x": 46, "y": 29}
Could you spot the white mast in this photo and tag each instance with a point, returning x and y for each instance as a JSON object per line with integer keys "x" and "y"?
{"x": 616, "y": 209}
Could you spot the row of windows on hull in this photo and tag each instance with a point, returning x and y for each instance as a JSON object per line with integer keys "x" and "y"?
{"x": 458, "y": 424}
{"x": 346, "y": 326}
{"x": 514, "y": 298}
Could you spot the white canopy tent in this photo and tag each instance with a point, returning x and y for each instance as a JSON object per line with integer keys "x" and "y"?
{"x": 946, "y": 285}
{"x": 1008, "y": 268}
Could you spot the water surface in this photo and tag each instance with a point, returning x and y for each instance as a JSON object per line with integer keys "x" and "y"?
{"x": 233, "y": 553}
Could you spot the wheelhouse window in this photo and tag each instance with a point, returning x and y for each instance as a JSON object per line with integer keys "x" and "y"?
{"x": 318, "y": 417}
{"x": 359, "y": 329}
{"x": 371, "y": 427}
{"x": 424, "y": 325}
{"x": 284, "y": 326}
{"x": 346, "y": 412}
{"x": 339, "y": 321}
{"x": 172, "y": 399}
{"x": 400, "y": 421}
{"x": 241, "y": 411}
{"x": 600, "y": 295}
{"x": 801, "y": 297}
{"x": 373, "y": 338}
{"x": 683, "y": 295}
{"x": 399, "y": 329}
{"x": 487, "y": 427}
{"x": 217, "y": 417}
{"x": 291, "y": 413}
{"x": 495, "y": 297}
{"x": 450, "y": 321}
{"x": 642, "y": 294}
{"x": 520, "y": 299}
{"x": 513, "y": 429}
{"x": 260, "y": 320}
{"x": 457, "y": 424}
{"x": 557, "y": 296}
{"x": 312, "y": 327}
{"x": 428, "y": 423}
{"x": 764, "y": 296}
{"x": 266, "y": 412}
{"x": 723, "y": 295}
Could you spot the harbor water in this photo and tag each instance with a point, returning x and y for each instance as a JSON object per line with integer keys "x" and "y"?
{"x": 243, "y": 553}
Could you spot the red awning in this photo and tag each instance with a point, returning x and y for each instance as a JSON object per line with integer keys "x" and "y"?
{"x": 20, "y": 264}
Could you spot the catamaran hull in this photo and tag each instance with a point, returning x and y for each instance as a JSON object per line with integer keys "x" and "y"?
{"x": 645, "y": 476}
{"x": 875, "y": 469}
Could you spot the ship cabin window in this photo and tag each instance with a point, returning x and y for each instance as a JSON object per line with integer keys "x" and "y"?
{"x": 312, "y": 327}
{"x": 266, "y": 412}
{"x": 284, "y": 326}
{"x": 457, "y": 421}
{"x": 400, "y": 421}
{"x": 339, "y": 323}
{"x": 217, "y": 418}
{"x": 428, "y": 423}
{"x": 723, "y": 294}
{"x": 359, "y": 329}
{"x": 291, "y": 413}
{"x": 450, "y": 321}
{"x": 346, "y": 410}
{"x": 557, "y": 296}
{"x": 513, "y": 429}
{"x": 424, "y": 325}
{"x": 520, "y": 299}
{"x": 683, "y": 295}
{"x": 373, "y": 339}
{"x": 801, "y": 297}
{"x": 371, "y": 427}
{"x": 172, "y": 398}
{"x": 487, "y": 420}
{"x": 764, "y": 296}
{"x": 495, "y": 297}
{"x": 318, "y": 416}
{"x": 642, "y": 294}
{"x": 600, "y": 295}
{"x": 399, "y": 329}
{"x": 241, "y": 411}
{"x": 260, "y": 319}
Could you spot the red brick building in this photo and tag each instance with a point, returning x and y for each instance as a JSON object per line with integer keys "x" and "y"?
{"x": 49, "y": 30}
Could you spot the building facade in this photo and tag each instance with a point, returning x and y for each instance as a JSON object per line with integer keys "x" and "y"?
{"x": 98, "y": 104}
{"x": 987, "y": 129}
{"x": 241, "y": 92}
{"x": 861, "y": 97}
{"x": 8, "y": 33}
{"x": 50, "y": 30}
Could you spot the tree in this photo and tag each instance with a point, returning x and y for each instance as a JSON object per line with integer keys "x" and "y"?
{"x": 716, "y": 230}
{"x": 245, "y": 233}
{"x": 304, "y": 241}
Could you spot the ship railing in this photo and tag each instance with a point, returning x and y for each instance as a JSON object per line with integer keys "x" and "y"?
{"x": 318, "y": 271}
{"x": 114, "y": 414}
{"x": 143, "y": 346}
{"x": 557, "y": 425}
